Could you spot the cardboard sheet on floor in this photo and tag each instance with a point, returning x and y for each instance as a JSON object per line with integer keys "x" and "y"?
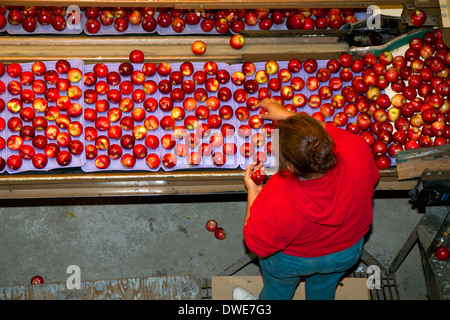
{"x": 222, "y": 287}
{"x": 140, "y": 288}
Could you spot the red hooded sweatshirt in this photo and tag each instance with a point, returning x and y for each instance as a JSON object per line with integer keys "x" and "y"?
{"x": 311, "y": 218}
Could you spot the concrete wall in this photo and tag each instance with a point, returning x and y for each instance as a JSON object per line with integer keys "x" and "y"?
{"x": 152, "y": 236}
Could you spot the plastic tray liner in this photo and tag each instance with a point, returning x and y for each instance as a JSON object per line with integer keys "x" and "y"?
{"x": 6, "y": 25}
{"x": 280, "y": 27}
{"x": 111, "y": 30}
{"x": 188, "y": 29}
{"x": 216, "y": 138}
{"x": 256, "y": 144}
{"x": 72, "y": 27}
{"x": 77, "y": 160}
{"x": 196, "y": 29}
{"x": 115, "y": 163}
{"x": 3, "y": 118}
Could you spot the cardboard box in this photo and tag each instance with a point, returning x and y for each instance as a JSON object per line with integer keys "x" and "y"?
{"x": 222, "y": 288}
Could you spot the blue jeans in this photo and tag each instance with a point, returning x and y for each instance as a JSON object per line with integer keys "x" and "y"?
{"x": 281, "y": 274}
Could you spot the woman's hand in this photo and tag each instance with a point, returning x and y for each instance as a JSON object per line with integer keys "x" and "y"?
{"x": 250, "y": 185}
{"x": 275, "y": 111}
{"x": 252, "y": 188}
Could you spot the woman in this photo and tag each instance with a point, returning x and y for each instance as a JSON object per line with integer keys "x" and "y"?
{"x": 310, "y": 218}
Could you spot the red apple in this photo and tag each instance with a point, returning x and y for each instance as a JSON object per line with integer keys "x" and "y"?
{"x": 210, "y": 67}
{"x": 385, "y": 57}
{"x": 340, "y": 119}
{"x": 346, "y": 74}
{"x": 220, "y": 233}
{"x": 379, "y": 148}
{"x": 294, "y": 65}
{"x": 271, "y": 67}
{"x": 198, "y": 47}
{"x": 214, "y": 121}
{"x": 222, "y": 26}
{"x": 442, "y": 253}
{"x": 152, "y": 160}
{"x": 363, "y": 121}
{"x": 259, "y": 177}
{"x": 255, "y": 122}
{"x": 192, "y": 18}
{"x": 352, "y": 127}
{"x": 418, "y": 18}
{"x": 169, "y": 160}
{"x": 14, "y": 87}
{"x": 278, "y": 16}
{"x": 383, "y": 162}
{"x": 106, "y": 17}
{"x": 321, "y": 22}
{"x": 128, "y": 161}
{"x": 346, "y": 60}
{"x": 248, "y": 68}
{"x": 335, "y": 21}
{"x": 237, "y": 41}
{"x": 58, "y": 22}
{"x": 74, "y": 75}
{"x": 26, "y": 78}
{"x": 207, "y": 24}
{"x": 211, "y": 225}
{"x": 295, "y": 22}
{"x": 205, "y": 149}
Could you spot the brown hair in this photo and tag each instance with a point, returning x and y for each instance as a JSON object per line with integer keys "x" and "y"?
{"x": 305, "y": 145}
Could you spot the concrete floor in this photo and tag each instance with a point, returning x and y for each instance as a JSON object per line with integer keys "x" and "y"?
{"x": 153, "y": 236}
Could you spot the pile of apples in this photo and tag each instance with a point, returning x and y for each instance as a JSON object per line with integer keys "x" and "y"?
{"x": 394, "y": 103}
{"x": 149, "y": 19}
{"x": 417, "y": 115}
{"x": 219, "y": 232}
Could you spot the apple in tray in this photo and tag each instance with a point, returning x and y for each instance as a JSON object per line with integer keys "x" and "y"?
{"x": 50, "y": 106}
{"x": 123, "y": 117}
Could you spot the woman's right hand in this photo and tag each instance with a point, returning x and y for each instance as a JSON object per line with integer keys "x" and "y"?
{"x": 250, "y": 185}
{"x": 275, "y": 111}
